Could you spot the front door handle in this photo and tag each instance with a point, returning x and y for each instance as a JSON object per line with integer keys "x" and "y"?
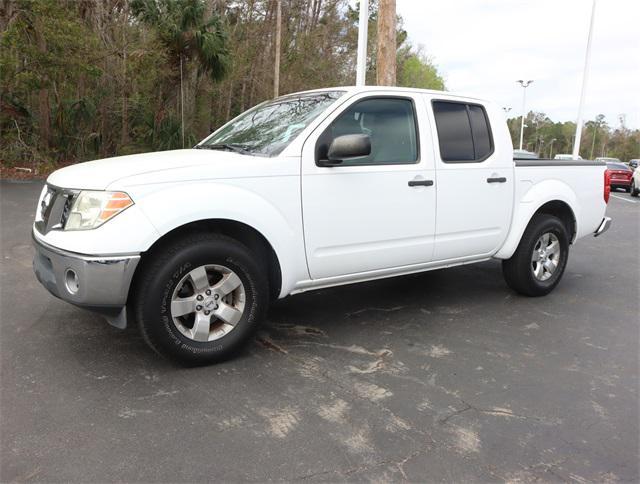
{"x": 420, "y": 183}
{"x": 498, "y": 179}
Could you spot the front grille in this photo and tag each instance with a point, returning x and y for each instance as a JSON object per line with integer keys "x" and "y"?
{"x": 54, "y": 209}
{"x": 66, "y": 209}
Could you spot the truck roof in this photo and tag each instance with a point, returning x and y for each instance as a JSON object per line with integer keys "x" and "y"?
{"x": 358, "y": 89}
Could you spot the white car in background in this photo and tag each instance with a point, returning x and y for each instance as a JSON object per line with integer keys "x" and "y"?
{"x": 565, "y": 157}
{"x": 635, "y": 183}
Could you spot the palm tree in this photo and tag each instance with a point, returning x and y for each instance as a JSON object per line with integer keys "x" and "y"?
{"x": 188, "y": 36}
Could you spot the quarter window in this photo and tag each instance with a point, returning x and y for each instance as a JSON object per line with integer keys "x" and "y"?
{"x": 390, "y": 124}
{"x": 464, "y": 133}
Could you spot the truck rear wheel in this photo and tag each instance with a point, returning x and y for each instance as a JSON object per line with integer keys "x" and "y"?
{"x": 199, "y": 298}
{"x": 634, "y": 189}
{"x": 538, "y": 263}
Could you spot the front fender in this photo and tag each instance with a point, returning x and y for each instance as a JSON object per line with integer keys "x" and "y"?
{"x": 278, "y": 218}
{"x": 534, "y": 197}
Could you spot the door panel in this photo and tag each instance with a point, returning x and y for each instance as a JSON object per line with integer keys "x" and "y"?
{"x": 366, "y": 216}
{"x": 475, "y": 188}
{"x": 473, "y": 215}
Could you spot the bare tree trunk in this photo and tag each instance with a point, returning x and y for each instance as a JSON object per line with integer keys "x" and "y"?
{"x": 386, "y": 61}
{"x": 181, "y": 102}
{"x": 252, "y": 83}
{"x": 44, "y": 108}
{"x": 276, "y": 74}
{"x": 227, "y": 114}
{"x": 243, "y": 91}
{"x": 317, "y": 8}
{"x": 124, "y": 138}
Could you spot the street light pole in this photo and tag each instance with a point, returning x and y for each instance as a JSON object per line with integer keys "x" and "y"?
{"x": 363, "y": 27}
{"x": 525, "y": 85}
{"x": 585, "y": 76}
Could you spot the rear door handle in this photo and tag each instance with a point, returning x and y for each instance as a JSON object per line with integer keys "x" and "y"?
{"x": 420, "y": 183}
{"x": 499, "y": 179}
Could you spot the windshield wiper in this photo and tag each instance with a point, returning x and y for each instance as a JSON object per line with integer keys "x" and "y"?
{"x": 238, "y": 148}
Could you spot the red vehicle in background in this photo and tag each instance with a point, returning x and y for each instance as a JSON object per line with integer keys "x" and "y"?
{"x": 620, "y": 175}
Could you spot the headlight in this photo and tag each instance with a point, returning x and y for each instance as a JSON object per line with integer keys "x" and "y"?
{"x": 91, "y": 209}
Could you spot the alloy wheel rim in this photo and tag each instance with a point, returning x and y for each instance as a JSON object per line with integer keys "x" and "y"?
{"x": 545, "y": 258}
{"x": 208, "y": 303}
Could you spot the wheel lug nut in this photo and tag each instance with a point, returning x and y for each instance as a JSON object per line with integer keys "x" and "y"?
{"x": 208, "y": 292}
{"x": 216, "y": 297}
{"x": 206, "y": 313}
{"x": 198, "y": 308}
{"x": 199, "y": 297}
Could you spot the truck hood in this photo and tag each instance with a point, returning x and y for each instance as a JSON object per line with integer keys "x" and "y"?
{"x": 144, "y": 168}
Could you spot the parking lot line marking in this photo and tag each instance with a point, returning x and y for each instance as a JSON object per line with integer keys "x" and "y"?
{"x": 625, "y": 199}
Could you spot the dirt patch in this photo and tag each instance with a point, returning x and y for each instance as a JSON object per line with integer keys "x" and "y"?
{"x": 29, "y": 171}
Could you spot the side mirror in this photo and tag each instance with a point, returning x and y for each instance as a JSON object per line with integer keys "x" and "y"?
{"x": 347, "y": 146}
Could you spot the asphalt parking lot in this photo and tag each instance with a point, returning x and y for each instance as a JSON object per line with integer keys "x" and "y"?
{"x": 441, "y": 376}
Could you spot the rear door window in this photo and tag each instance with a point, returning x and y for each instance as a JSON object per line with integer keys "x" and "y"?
{"x": 480, "y": 131}
{"x": 464, "y": 133}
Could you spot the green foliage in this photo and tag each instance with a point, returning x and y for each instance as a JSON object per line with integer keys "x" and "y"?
{"x": 548, "y": 138}
{"x": 86, "y": 79}
{"x": 161, "y": 134}
{"x": 417, "y": 70}
{"x": 43, "y": 49}
{"x": 186, "y": 33}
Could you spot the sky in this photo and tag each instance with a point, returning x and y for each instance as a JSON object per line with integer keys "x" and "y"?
{"x": 483, "y": 46}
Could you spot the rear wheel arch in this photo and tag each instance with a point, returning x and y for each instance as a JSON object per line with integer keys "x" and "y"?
{"x": 563, "y": 211}
{"x": 558, "y": 207}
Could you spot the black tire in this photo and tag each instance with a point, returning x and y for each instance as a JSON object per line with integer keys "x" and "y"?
{"x": 163, "y": 271}
{"x": 518, "y": 270}
{"x": 634, "y": 190}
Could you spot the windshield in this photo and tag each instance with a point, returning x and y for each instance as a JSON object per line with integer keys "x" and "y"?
{"x": 268, "y": 128}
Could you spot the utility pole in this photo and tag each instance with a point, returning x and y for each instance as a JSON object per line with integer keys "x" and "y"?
{"x": 386, "y": 61}
{"x": 525, "y": 85}
{"x": 363, "y": 30}
{"x": 276, "y": 73}
{"x": 585, "y": 76}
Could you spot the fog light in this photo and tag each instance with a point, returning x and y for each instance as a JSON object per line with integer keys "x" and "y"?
{"x": 71, "y": 281}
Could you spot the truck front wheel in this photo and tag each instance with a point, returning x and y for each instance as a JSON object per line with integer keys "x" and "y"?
{"x": 199, "y": 298}
{"x": 538, "y": 263}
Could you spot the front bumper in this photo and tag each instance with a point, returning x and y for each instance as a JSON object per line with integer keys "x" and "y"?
{"x": 603, "y": 227}
{"x": 98, "y": 283}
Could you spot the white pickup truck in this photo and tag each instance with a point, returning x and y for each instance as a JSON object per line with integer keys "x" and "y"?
{"x": 306, "y": 191}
